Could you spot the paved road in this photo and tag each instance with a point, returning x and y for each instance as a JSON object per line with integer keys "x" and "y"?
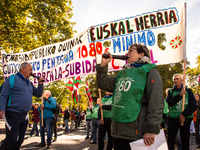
{"x": 75, "y": 140}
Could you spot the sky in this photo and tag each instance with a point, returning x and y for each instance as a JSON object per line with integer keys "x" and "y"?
{"x": 92, "y": 12}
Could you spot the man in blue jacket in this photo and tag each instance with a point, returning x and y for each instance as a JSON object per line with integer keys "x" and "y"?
{"x": 16, "y": 109}
{"x": 49, "y": 103}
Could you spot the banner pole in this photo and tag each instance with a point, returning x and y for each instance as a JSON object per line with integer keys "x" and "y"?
{"x": 184, "y": 70}
{"x": 41, "y": 97}
{"x": 98, "y": 88}
{"x": 60, "y": 93}
{"x": 184, "y": 61}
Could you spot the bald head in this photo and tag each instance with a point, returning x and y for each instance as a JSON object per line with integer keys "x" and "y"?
{"x": 47, "y": 94}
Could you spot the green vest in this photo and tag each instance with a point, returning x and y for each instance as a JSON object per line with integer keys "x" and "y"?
{"x": 95, "y": 112}
{"x": 88, "y": 114}
{"x": 176, "y": 109}
{"x": 107, "y": 101}
{"x": 128, "y": 93}
{"x": 166, "y": 108}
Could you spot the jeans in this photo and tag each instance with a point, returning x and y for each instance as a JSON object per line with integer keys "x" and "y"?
{"x": 66, "y": 125}
{"x": 35, "y": 127}
{"x": 88, "y": 127}
{"x": 95, "y": 126}
{"x": 47, "y": 124}
{"x": 174, "y": 124}
{"x": 15, "y": 137}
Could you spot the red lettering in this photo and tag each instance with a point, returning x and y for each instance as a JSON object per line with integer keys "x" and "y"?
{"x": 113, "y": 65}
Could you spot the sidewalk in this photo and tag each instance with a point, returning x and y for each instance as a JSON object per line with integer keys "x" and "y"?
{"x": 74, "y": 140}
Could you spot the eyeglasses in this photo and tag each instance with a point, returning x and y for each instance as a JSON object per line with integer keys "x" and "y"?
{"x": 131, "y": 49}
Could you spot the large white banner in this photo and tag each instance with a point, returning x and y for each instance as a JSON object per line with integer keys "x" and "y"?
{"x": 162, "y": 31}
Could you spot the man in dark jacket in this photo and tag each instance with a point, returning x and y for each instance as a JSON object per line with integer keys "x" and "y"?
{"x": 66, "y": 118}
{"x": 19, "y": 105}
{"x": 177, "y": 118}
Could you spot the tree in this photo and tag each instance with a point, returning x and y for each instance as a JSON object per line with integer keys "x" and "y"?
{"x": 193, "y": 75}
{"x": 26, "y": 25}
{"x": 167, "y": 71}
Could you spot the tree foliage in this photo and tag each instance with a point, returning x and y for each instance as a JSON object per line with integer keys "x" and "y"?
{"x": 28, "y": 24}
{"x": 193, "y": 76}
{"x": 167, "y": 72}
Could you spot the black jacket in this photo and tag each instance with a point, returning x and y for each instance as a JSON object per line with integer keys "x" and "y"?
{"x": 192, "y": 102}
{"x": 67, "y": 115}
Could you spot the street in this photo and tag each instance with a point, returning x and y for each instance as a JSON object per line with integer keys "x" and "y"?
{"x": 74, "y": 140}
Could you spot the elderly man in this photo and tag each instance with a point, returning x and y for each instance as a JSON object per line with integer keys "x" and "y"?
{"x": 49, "y": 103}
{"x": 177, "y": 118}
{"x": 16, "y": 109}
{"x": 66, "y": 118}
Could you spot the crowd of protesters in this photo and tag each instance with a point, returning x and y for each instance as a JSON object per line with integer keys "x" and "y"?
{"x": 131, "y": 110}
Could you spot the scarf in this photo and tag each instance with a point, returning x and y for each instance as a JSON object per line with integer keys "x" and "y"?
{"x": 138, "y": 63}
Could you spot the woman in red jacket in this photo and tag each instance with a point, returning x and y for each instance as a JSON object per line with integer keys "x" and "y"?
{"x": 36, "y": 120}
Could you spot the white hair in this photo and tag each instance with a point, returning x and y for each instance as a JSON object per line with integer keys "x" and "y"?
{"x": 47, "y": 91}
{"x": 23, "y": 65}
{"x": 177, "y": 74}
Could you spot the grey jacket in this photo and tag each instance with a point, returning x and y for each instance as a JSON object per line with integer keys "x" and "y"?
{"x": 150, "y": 116}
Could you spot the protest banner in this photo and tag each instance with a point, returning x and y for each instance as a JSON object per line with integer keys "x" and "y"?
{"x": 162, "y": 31}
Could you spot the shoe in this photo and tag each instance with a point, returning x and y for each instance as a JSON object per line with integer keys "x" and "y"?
{"x": 91, "y": 137}
{"x": 65, "y": 132}
{"x": 48, "y": 145}
{"x": 54, "y": 139}
{"x": 86, "y": 137}
{"x": 93, "y": 142}
{"x": 40, "y": 145}
{"x": 30, "y": 134}
{"x": 36, "y": 134}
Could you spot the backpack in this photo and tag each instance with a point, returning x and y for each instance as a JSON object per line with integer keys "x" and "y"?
{"x": 56, "y": 109}
{"x": 12, "y": 81}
